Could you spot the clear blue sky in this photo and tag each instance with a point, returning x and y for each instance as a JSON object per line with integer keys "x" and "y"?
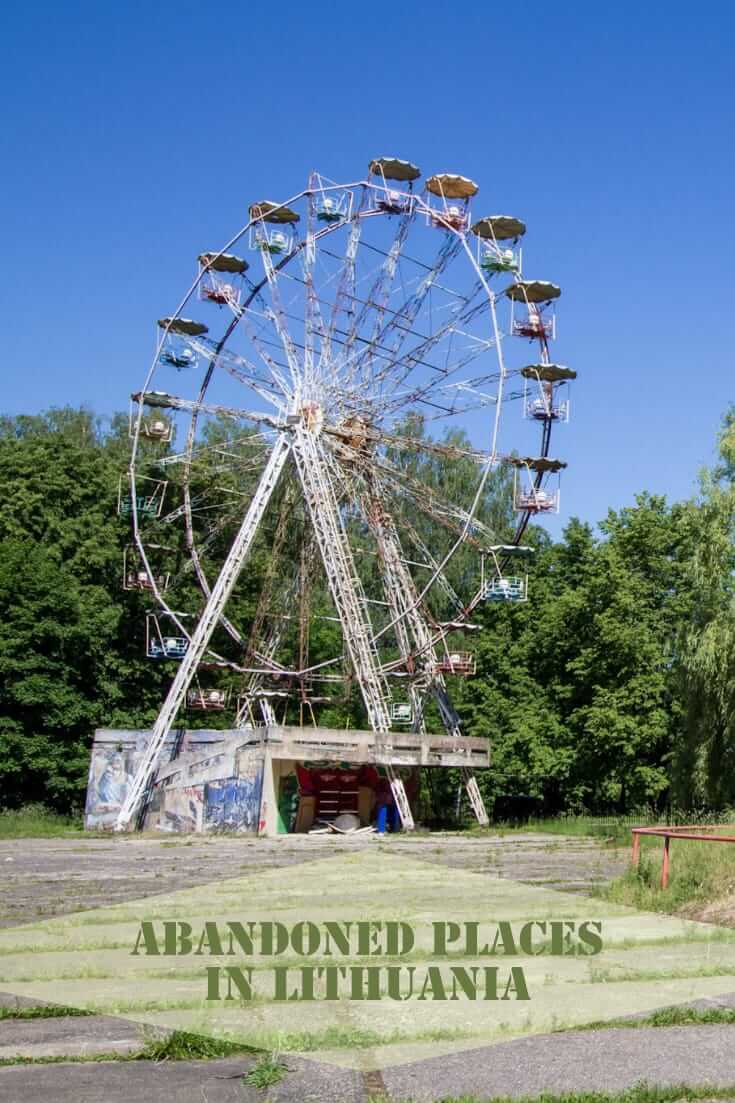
{"x": 135, "y": 136}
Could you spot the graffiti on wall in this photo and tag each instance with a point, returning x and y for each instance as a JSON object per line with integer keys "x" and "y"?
{"x": 233, "y": 804}
{"x": 229, "y": 803}
{"x": 110, "y": 773}
{"x": 181, "y": 809}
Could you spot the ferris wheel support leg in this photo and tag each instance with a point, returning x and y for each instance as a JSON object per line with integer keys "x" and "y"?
{"x": 216, "y": 601}
{"x": 399, "y": 796}
{"x": 475, "y": 796}
{"x": 451, "y": 721}
{"x": 347, "y": 595}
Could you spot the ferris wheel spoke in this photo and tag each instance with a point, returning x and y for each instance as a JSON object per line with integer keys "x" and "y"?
{"x": 205, "y": 451}
{"x": 437, "y": 391}
{"x": 430, "y": 447}
{"x": 313, "y": 322}
{"x": 277, "y": 316}
{"x": 394, "y": 333}
{"x": 422, "y": 492}
{"x": 399, "y": 368}
{"x": 376, "y": 300}
{"x": 432, "y": 564}
{"x": 275, "y": 367}
{"x": 162, "y": 401}
{"x": 243, "y": 370}
{"x": 454, "y": 519}
{"x": 344, "y": 298}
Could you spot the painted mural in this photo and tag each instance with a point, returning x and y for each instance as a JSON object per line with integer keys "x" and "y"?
{"x": 233, "y": 804}
{"x": 110, "y": 772}
{"x": 230, "y": 803}
{"x": 182, "y": 810}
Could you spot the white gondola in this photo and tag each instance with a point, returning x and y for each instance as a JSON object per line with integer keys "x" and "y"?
{"x": 176, "y": 353}
{"x": 462, "y": 663}
{"x": 401, "y": 712}
{"x": 205, "y": 700}
{"x": 528, "y": 499}
{"x": 546, "y": 409}
{"x": 279, "y": 243}
{"x": 454, "y": 193}
{"x": 142, "y": 579}
{"x": 534, "y": 298}
{"x": 220, "y": 278}
{"x": 543, "y": 385}
{"x": 506, "y": 588}
{"x": 528, "y": 494}
{"x": 271, "y": 228}
{"x": 494, "y": 260}
{"x": 333, "y": 207}
{"x": 147, "y": 501}
{"x": 160, "y": 644}
{"x": 138, "y": 576}
{"x": 176, "y": 350}
{"x": 156, "y": 429}
{"x": 391, "y": 170}
{"x": 533, "y": 325}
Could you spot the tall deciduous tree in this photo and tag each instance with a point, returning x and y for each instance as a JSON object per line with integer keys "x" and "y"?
{"x": 704, "y": 763}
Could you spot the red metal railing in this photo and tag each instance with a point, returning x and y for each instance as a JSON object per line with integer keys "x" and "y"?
{"x": 669, "y": 833}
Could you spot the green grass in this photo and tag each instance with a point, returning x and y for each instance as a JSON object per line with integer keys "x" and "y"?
{"x": 36, "y": 821}
{"x": 700, "y": 873}
{"x": 267, "y": 1071}
{"x": 614, "y": 830}
{"x": 178, "y": 1046}
{"x": 667, "y": 1016}
{"x": 334, "y": 1037}
{"x": 43, "y": 1011}
{"x": 182, "y": 1046}
{"x": 639, "y": 1093}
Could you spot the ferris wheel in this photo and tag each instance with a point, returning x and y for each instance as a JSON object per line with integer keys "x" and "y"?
{"x": 323, "y": 463}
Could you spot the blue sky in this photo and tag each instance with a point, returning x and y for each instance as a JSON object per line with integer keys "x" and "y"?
{"x": 135, "y": 136}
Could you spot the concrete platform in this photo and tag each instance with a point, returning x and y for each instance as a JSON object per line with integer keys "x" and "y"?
{"x": 231, "y": 780}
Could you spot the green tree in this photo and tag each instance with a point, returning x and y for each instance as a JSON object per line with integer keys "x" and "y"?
{"x": 704, "y": 762}
{"x": 577, "y": 685}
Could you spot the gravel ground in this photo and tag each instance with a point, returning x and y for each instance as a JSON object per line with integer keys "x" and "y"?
{"x": 48, "y": 877}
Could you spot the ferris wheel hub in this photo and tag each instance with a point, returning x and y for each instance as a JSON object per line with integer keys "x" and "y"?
{"x": 312, "y": 417}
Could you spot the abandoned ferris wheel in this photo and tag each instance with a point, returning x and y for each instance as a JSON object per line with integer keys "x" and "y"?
{"x": 330, "y": 399}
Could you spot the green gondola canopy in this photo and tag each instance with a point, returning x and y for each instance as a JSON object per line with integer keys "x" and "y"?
{"x": 223, "y": 262}
{"x": 273, "y": 212}
{"x": 450, "y": 186}
{"x": 548, "y": 373}
{"x": 392, "y": 168}
{"x": 512, "y": 551}
{"x": 537, "y": 463}
{"x": 183, "y": 325}
{"x": 533, "y": 291}
{"x": 159, "y": 399}
{"x": 499, "y": 227}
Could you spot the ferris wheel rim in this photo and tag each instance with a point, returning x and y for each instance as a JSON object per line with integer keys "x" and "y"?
{"x": 207, "y": 379}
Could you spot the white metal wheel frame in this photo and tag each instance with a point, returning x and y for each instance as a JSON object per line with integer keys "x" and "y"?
{"x": 338, "y": 350}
